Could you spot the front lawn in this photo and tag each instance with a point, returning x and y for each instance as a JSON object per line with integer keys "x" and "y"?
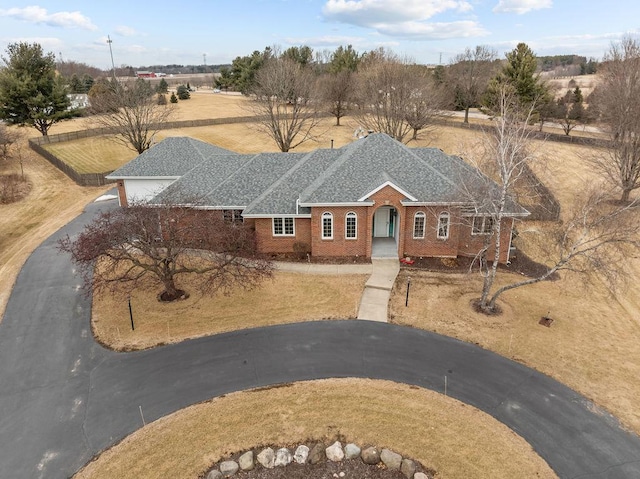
{"x": 288, "y": 298}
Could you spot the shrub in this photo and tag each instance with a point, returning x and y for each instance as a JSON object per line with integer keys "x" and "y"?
{"x": 183, "y": 92}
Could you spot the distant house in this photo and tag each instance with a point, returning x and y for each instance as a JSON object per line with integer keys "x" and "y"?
{"x": 145, "y": 74}
{"x": 329, "y": 202}
{"x": 78, "y": 101}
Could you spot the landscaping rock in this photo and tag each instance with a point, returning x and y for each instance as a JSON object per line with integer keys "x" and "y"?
{"x": 334, "y": 452}
{"x": 246, "y": 462}
{"x": 420, "y": 475}
{"x": 283, "y": 457}
{"x": 267, "y": 458}
{"x": 391, "y": 459}
{"x": 351, "y": 451}
{"x": 302, "y": 454}
{"x": 316, "y": 454}
{"x": 215, "y": 474}
{"x": 408, "y": 468}
{"x": 370, "y": 456}
{"x": 228, "y": 468}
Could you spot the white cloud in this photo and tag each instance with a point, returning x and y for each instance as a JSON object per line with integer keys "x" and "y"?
{"x": 36, "y": 14}
{"x": 404, "y": 18}
{"x": 417, "y": 30}
{"x": 125, "y": 31}
{"x": 365, "y": 13}
{"x": 48, "y": 44}
{"x": 521, "y": 7}
{"x": 325, "y": 40}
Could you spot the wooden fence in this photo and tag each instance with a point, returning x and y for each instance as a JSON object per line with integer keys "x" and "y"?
{"x": 97, "y": 179}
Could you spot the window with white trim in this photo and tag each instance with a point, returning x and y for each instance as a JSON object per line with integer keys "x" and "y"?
{"x": 419, "y": 220}
{"x": 283, "y": 226}
{"x": 232, "y": 216}
{"x": 443, "y": 225}
{"x": 351, "y": 225}
{"x": 482, "y": 225}
{"x": 327, "y": 225}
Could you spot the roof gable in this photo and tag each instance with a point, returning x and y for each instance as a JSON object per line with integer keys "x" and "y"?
{"x": 373, "y": 161}
{"x": 391, "y": 185}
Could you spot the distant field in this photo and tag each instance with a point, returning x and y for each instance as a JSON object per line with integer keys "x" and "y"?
{"x": 92, "y": 155}
{"x": 101, "y": 154}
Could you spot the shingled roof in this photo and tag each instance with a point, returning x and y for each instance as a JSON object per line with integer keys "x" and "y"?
{"x": 270, "y": 184}
{"x": 171, "y": 158}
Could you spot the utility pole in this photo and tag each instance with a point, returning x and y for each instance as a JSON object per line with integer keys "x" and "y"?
{"x": 113, "y": 66}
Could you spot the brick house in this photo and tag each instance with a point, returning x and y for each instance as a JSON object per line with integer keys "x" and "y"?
{"x": 328, "y": 202}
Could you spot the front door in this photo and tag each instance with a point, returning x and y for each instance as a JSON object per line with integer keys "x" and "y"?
{"x": 381, "y": 222}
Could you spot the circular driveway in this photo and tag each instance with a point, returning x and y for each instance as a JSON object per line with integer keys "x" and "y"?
{"x": 63, "y": 398}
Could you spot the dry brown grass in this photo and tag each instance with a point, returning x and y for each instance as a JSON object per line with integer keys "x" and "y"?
{"x": 53, "y": 201}
{"x": 592, "y": 344}
{"x": 455, "y": 439}
{"x": 288, "y": 298}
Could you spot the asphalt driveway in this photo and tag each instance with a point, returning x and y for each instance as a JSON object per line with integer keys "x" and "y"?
{"x": 63, "y": 398}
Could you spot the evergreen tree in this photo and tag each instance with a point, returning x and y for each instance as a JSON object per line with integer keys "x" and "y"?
{"x": 174, "y": 98}
{"x": 303, "y": 55}
{"x": 519, "y": 73}
{"x": 183, "y": 92}
{"x": 30, "y": 92}
{"x": 577, "y": 95}
{"x": 241, "y": 76}
{"x": 344, "y": 59}
{"x": 76, "y": 85}
{"x": 163, "y": 86}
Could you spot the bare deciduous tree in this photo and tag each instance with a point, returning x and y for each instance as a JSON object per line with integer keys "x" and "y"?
{"x": 471, "y": 72}
{"x": 284, "y": 102}
{"x": 9, "y": 138}
{"x": 163, "y": 243}
{"x": 428, "y": 103}
{"x": 595, "y": 236}
{"x": 337, "y": 92}
{"x": 598, "y": 237}
{"x": 131, "y": 111}
{"x": 569, "y": 111}
{"x": 392, "y": 91}
{"x": 617, "y": 99}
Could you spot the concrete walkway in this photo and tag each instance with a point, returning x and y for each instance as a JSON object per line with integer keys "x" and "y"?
{"x": 383, "y": 269}
{"x": 374, "y": 303}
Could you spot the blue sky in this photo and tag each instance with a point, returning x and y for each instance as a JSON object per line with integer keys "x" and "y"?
{"x": 160, "y": 32}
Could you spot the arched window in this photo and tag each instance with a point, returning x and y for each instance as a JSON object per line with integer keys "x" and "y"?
{"x": 443, "y": 225}
{"x": 327, "y": 225}
{"x": 351, "y": 225}
{"x": 419, "y": 220}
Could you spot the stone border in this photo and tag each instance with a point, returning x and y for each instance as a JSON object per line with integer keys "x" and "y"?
{"x": 268, "y": 458}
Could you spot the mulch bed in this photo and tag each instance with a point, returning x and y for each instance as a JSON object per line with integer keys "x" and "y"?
{"x": 302, "y": 258}
{"x": 520, "y": 264}
{"x": 352, "y": 469}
